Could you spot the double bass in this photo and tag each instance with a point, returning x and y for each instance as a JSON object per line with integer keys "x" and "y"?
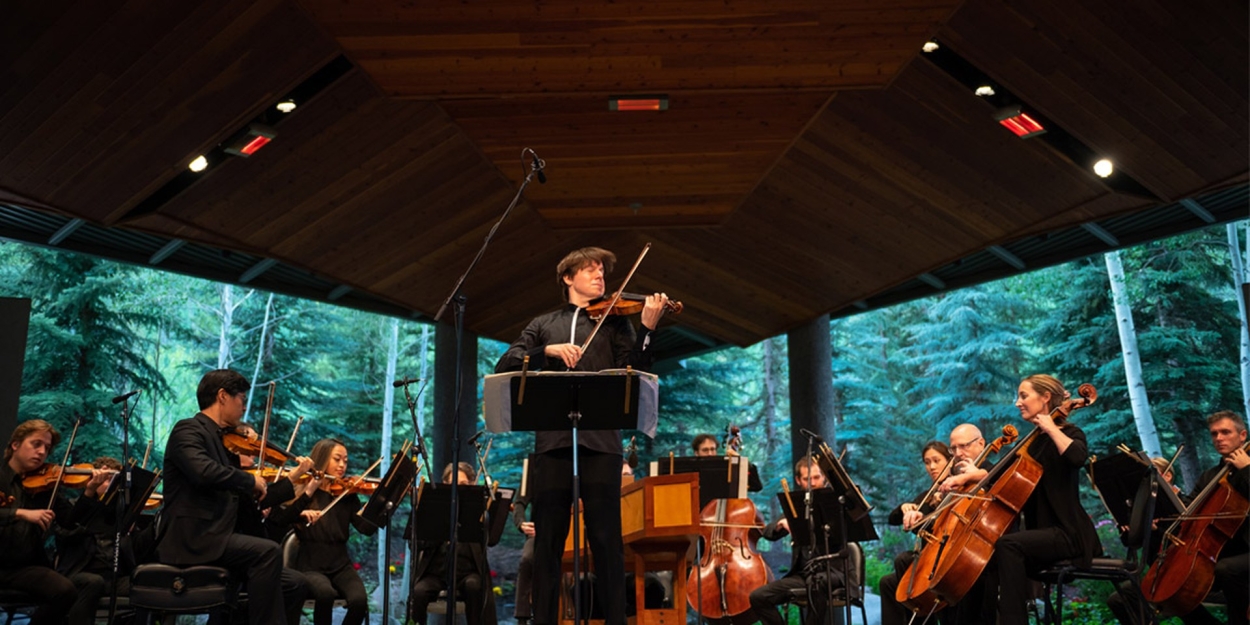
{"x": 1182, "y": 575}
{"x": 721, "y": 585}
{"x": 968, "y": 542}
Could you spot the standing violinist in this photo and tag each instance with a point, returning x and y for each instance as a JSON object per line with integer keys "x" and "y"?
{"x": 1055, "y": 527}
{"x": 204, "y": 488}
{"x": 553, "y": 342}
{"x": 766, "y": 599}
{"x": 323, "y": 527}
{"x": 935, "y": 455}
{"x": 1232, "y": 567}
{"x": 25, "y": 519}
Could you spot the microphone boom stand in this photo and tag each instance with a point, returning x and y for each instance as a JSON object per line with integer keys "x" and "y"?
{"x": 458, "y": 299}
{"x": 412, "y": 535}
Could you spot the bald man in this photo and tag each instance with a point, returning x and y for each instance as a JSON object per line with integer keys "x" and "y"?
{"x": 966, "y": 444}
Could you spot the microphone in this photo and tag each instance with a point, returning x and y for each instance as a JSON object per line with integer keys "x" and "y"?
{"x": 404, "y": 382}
{"x": 473, "y": 439}
{"x": 538, "y": 169}
{"x": 121, "y": 398}
{"x": 810, "y": 434}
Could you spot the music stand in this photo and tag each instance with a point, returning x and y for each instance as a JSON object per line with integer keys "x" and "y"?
{"x": 720, "y": 477}
{"x": 434, "y": 508}
{"x": 849, "y": 515}
{"x": 382, "y": 504}
{"x": 1117, "y": 478}
{"x": 550, "y": 401}
{"x": 497, "y": 514}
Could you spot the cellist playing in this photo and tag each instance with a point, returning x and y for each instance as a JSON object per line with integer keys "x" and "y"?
{"x": 1055, "y": 527}
{"x": 1232, "y": 568}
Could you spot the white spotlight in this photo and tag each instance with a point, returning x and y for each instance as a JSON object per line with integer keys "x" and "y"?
{"x": 198, "y": 165}
{"x": 929, "y": 46}
{"x": 985, "y": 91}
{"x": 1103, "y": 168}
{"x": 286, "y": 106}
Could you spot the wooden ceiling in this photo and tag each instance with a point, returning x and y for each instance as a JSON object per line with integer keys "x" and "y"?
{"x": 810, "y": 159}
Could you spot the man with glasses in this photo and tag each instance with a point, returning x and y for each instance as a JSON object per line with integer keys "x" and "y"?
{"x": 966, "y": 444}
{"x": 705, "y": 445}
{"x": 203, "y": 488}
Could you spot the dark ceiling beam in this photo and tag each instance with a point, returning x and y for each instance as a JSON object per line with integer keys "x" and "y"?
{"x": 1197, "y": 209}
{"x": 1101, "y": 233}
{"x": 932, "y": 281}
{"x": 1007, "y": 257}
{"x": 66, "y": 230}
{"x": 166, "y": 251}
{"x": 256, "y": 270}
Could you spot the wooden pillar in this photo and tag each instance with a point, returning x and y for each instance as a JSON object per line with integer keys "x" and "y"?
{"x": 444, "y": 387}
{"x": 811, "y": 384}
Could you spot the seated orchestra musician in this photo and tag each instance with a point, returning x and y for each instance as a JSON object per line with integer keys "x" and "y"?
{"x": 1054, "y": 525}
{"x": 966, "y": 445}
{"x": 472, "y": 571}
{"x": 323, "y": 524}
{"x": 85, "y": 554}
{"x": 262, "y": 521}
{"x": 204, "y": 490}
{"x": 705, "y": 445}
{"x": 25, "y": 520}
{"x": 935, "y": 455}
{"x": 766, "y": 599}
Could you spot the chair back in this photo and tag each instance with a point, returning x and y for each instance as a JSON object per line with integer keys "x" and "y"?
{"x": 855, "y": 555}
{"x": 290, "y": 549}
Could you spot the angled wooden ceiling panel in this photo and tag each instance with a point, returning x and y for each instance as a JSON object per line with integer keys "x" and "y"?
{"x": 1158, "y": 86}
{"x": 811, "y": 159}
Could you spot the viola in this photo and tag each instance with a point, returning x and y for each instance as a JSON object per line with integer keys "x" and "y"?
{"x": 964, "y": 548}
{"x": 1184, "y": 572}
{"x": 626, "y": 304}
{"x": 47, "y": 476}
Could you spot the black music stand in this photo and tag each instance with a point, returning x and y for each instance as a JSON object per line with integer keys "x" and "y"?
{"x": 716, "y": 481}
{"x": 848, "y": 514}
{"x": 134, "y": 486}
{"x": 381, "y": 505}
{"x": 829, "y": 524}
{"x": 497, "y": 514}
{"x": 570, "y": 401}
{"x": 1117, "y": 479}
{"x": 434, "y": 508}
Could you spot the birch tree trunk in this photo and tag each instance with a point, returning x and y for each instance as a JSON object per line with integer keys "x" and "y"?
{"x": 1132, "y": 358}
{"x": 260, "y": 354}
{"x": 227, "y": 318}
{"x": 422, "y": 351}
{"x": 768, "y": 411}
{"x": 388, "y": 414}
{"x": 1239, "y": 278}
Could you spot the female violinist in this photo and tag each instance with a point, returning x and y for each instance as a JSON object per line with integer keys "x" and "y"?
{"x": 936, "y": 456}
{"x": 322, "y": 531}
{"x": 1055, "y": 527}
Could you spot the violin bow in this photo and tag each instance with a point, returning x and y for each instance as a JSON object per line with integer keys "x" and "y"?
{"x": 65, "y": 461}
{"x": 616, "y": 297}
{"x": 348, "y": 489}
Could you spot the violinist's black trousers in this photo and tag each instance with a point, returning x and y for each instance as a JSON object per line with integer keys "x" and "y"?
{"x": 551, "y": 486}
{"x": 54, "y": 593}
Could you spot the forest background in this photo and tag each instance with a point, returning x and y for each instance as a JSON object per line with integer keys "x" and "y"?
{"x": 902, "y": 375}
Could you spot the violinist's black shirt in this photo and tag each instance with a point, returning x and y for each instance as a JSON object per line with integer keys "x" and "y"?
{"x": 616, "y": 346}
{"x": 22, "y": 542}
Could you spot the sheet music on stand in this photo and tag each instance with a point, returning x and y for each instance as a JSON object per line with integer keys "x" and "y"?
{"x": 1117, "y": 478}
{"x": 720, "y": 477}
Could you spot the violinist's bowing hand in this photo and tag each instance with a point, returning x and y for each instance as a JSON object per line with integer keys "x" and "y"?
{"x": 42, "y": 518}
{"x": 653, "y": 309}
{"x": 303, "y": 464}
{"x": 911, "y": 518}
{"x": 567, "y": 352}
{"x": 1238, "y": 458}
{"x": 311, "y": 516}
{"x": 783, "y": 524}
{"x": 527, "y": 528}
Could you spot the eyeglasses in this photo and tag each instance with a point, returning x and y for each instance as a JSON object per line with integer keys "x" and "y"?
{"x": 967, "y": 445}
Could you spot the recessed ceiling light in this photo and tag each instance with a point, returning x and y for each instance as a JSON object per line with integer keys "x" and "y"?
{"x": 985, "y": 91}
{"x": 286, "y": 106}
{"x": 929, "y": 46}
{"x": 199, "y": 164}
{"x": 1104, "y": 168}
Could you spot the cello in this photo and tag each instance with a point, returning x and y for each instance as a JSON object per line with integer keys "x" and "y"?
{"x": 913, "y": 588}
{"x": 1182, "y": 575}
{"x": 721, "y": 585}
{"x": 967, "y": 543}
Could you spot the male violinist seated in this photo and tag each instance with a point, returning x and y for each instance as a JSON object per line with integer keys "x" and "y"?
{"x": 766, "y": 599}
{"x": 26, "y": 518}
{"x": 473, "y": 581}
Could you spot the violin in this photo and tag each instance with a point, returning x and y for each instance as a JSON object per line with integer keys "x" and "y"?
{"x": 46, "y": 477}
{"x": 357, "y": 485}
{"x": 248, "y": 446}
{"x": 626, "y": 304}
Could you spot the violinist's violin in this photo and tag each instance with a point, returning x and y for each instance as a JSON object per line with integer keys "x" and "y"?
{"x": 627, "y": 304}
{"x": 46, "y": 477}
{"x": 248, "y": 446}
